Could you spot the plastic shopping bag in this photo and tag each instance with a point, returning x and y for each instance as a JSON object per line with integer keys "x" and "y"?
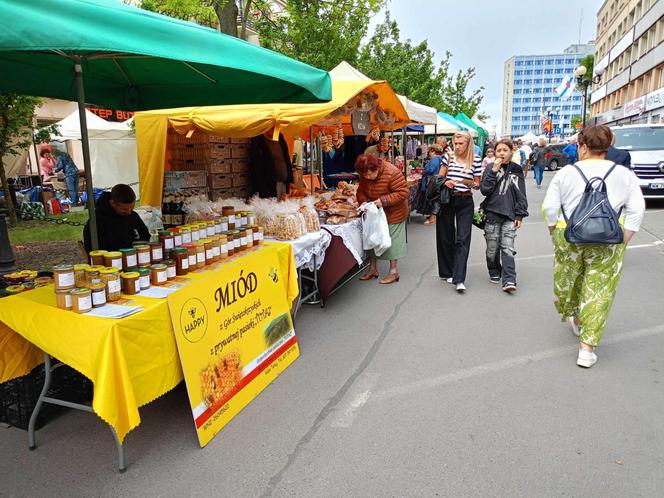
{"x": 375, "y": 232}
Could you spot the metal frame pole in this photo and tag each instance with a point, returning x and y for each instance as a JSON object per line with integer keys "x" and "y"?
{"x": 80, "y": 93}
{"x": 310, "y": 162}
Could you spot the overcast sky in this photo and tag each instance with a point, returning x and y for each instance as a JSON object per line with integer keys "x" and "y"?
{"x": 485, "y": 33}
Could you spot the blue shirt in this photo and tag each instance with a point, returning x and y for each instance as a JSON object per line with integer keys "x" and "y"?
{"x": 571, "y": 152}
{"x": 66, "y": 165}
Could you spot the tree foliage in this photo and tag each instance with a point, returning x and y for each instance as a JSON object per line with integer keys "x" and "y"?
{"x": 212, "y": 13}
{"x": 589, "y": 62}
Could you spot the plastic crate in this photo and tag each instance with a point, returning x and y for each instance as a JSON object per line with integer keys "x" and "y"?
{"x": 18, "y": 397}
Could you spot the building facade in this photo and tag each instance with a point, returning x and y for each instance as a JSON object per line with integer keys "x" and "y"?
{"x": 529, "y": 86}
{"x": 630, "y": 59}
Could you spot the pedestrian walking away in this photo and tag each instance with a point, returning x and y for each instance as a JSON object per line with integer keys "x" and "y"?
{"x": 384, "y": 184}
{"x": 586, "y": 276}
{"x": 538, "y": 162}
{"x": 437, "y": 160}
{"x": 455, "y": 222}
{"x": 618, "y": 156}
{"x": 571, "y": 152}
{"x": 505, "y": 207}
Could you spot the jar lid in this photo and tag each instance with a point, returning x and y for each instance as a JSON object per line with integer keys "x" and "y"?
{"x": 198, "y": 243}
{"x": 143, "y": 271}
{"x": 169, "y": 262}
{"x": 129, "y": 274}
{"x": 224, "y": 218}
{"x": 96, "y": 268}
{"x": 185, "y": 228}
{"x": 109, "y": 271}
{"x": 180, "y": 250}
{"x": 128, "y": 250}
{"x": 165, "y": 232}
{"x": 80, "y": 290}
{"x": 206, "y": 241}
{"x": 139, "y": 243}
{"x": 97, "y": 286}
{"x": 155, "y": 244}
{"x": 93, "y": 269}
{"x": 60, "y": 291}
{"x": 63, "y": 268}
{"x": 113, "y": 254}
{"x": 188, "y": 245}
{"x": 158, "y": 266}
{"x": 97, "y": 253}
{"x": 142, "y": 247}
{"x": 81, "y": 267}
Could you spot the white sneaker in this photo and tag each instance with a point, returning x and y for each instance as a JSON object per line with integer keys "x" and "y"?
{"x": 449, "y": 280}
{"x": 575, "y": 328}
{"x": 460, "y": 288}
{"x": 586, "y": 358}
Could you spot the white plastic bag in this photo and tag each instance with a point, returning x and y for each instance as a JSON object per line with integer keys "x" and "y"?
{"x": 375, "y": 232}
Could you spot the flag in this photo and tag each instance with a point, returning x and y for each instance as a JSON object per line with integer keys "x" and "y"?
{"x": 565, "y": 89}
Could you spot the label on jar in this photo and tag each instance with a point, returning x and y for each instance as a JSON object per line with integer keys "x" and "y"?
{"x": 143, "y": 258}
{"x": 237, "y": 243}
{"x": 217, "y": 228}
{"x": 194, "y": 235}
{"x": 85, "y": 303}
{"x": 251, "y": 220}
{"x": 192, "y": 260}
{"x": 200, "y": 257}
{"x": 66, "y": 279}
{"x": 231, "y": 218}
{"x": 98, "y": 298}
{"x": 131, "y": 260}
{"x": 260, "y": 235}
{"x": 157, "y": 253}
{"x": 178, "y": 240}
{"x": 256, "y": 236}
{"x": 161, "y": 276}
{"x": 144, "y": 281}
{"x": 170, "y": 272}
{"x": 168, "y": 243}
{"x": 224, "y": 226}
{"x": 216, "y": 252}
{"x": 186, "y": 237}
{"x": 185, "y": 263}
{"x": 67, "y": 301}
{"x": 243, "y": 221}
{"x": 113, "y": 286}
{"x": 210, "y": 231}
{"x": 244, "y": 241}
{"x": 209, "y": 253}
{"x": 117, "y": 263}
{"x": 202, "y": 233}
{"x": 137, "y": 285}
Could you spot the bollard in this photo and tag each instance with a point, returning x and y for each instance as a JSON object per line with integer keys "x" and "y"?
{"x": 7, "y": 258}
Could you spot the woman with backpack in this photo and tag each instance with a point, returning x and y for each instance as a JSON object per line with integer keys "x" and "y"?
{"x": 587, "y": 271}
{"x": 504, "y": 208}
{"x": 437, "y": 159}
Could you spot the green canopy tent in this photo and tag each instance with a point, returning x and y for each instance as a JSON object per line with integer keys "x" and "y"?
{"x": 112, "y": 54}
{"x": 482, "y": 134}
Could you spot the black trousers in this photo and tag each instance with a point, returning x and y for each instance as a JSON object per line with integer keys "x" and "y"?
{"x": 453, "y": 242}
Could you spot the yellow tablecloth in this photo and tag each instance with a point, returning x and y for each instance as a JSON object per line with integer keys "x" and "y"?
{"x": 131, "y": 361}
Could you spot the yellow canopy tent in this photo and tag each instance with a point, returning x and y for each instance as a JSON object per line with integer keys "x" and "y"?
{"x": 245, "y": 121}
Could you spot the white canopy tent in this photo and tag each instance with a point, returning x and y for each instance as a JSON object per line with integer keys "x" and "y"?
{"x": 529, "y": 138}
{"x": 419, "y": 113}
{"x": 112, "y": 149}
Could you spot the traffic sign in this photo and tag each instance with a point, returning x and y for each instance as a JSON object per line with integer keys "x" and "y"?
{"x": 557, "y": 130}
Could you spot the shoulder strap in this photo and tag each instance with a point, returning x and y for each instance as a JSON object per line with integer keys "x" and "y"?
{"x": 585, "y": 179}
{"x": 609, "y": 172}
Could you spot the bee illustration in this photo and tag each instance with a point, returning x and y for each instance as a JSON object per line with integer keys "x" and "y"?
{"x": 192, "y": 312}
{"x": 274, "y": 275}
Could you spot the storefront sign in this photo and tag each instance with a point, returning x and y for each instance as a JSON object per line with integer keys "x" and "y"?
{"x": 111, "y": 114}
{"x": 636, "y": 106}
{"x": 234, "y": 335}
{"x": 655, "y": 100}
{"x": 610, "y": 116}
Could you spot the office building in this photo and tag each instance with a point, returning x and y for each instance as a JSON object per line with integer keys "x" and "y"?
{"x": 630, "y": 63}
{"x": 529, "y": 89}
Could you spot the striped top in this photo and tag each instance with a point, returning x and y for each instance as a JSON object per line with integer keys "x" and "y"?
{"x": 457, "y": 173}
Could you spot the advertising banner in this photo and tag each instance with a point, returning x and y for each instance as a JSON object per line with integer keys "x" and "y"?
{"x": 234, "y": 333}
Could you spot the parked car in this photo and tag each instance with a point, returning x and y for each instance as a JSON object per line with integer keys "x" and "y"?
{"x": 554, "y": 157}
{"x": 645, "y": 143}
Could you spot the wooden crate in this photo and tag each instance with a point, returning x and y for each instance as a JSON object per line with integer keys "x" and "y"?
{"x": 215, "y": 139}
{"x": 220, "y": 151}
{"x": 239, "y": 150}
{"x": 240, "y": 140}
{"x": 187, "y": 164}
{"x": 240, "y": 165}
{"x": 240, "y": 179}
{"x": 197, "y": 151}
{"x": 221, "y": 193}
{"x": 221, "y": 180}
{"x": 220, "y": 166}
{"x": 198, "y": 137}
{"x": 193, "y": 179}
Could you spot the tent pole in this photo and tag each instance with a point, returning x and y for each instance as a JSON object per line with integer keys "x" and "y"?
{"x": 80, "y": 93}
{"x": 403, "y": 152}
{"x": 391, "y": 149}
{"x": 311, "y": 155}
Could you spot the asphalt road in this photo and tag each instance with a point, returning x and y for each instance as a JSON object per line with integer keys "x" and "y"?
{"x": 410, "y": 390}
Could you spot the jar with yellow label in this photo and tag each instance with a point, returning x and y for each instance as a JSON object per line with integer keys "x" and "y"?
{"x": 113, "y": 259}
{"x": 130, "y": 283}
{"x": 111, "y": 277}
{"x": 158, "y": 274}
{"x": 143, "y": 255}
{"x": 171, "y": 269}
{"x": 79, "y": 275}
{"x": 156, "y": 252}
{"x": 64, "y": 277}
{"x": 98, "y": 291}
{"x": 97, "y": 257}
{"x": 81, "y": 299}
{"x": 144, "y": 278}
{"x": 181, "y": 257}
{"x": 200, "y": 255}
{"x": 92, "y": 275}
{"x": 185, "y": 231}
{"x": 63, "y": 299}
{"x": 129, "y": 258}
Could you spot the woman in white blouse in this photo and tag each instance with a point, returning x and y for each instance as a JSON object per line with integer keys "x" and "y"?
{"x": 585, "y": 277}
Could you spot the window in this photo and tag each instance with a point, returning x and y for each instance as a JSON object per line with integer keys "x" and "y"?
{"x": 528, "y": 63}
{"x": 569, "y": 61}
{"x": 539, "y": 71}
{"x": 526, "y": 100}
{"x": 516, "y": 109}
{"x": 516, "y": 101}
{"x": 560, "y": 61}
{"x": 518, "y": 63}
{"x": 517, "y": 91}
{"x": 549, "y": 62}
{"x": 537, "y": 81}
{"x": 548, "y": 71}
{"x": 526, "y": 109}
{"x": 539, "y": 62}
{"x": 528, "y": 72}
{"x": 518, "y": 82}
{"x": 548, "y": 80}
{"x": 518, "y": 73}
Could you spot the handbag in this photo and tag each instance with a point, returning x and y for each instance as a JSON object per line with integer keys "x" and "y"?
{"x": 594, "y": 221}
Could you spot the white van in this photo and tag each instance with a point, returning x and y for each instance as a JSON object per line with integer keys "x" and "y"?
{"x": 645, "y": 143}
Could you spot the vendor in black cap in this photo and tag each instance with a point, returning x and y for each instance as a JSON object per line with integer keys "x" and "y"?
{"x": 118, "y": 225}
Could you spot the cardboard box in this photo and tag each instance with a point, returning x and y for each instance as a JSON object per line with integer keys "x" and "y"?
{"x": 187, "y": 164}
{"x": 218, "y": 181}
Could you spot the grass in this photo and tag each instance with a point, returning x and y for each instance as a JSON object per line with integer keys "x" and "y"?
{"x": 44, "y": 231}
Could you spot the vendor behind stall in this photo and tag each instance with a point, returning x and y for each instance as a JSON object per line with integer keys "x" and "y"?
{"x": 118, "y": 226}
{"x": 270, "y": 168}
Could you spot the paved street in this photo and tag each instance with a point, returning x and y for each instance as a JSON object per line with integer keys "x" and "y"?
{"x": 411, "y": 390}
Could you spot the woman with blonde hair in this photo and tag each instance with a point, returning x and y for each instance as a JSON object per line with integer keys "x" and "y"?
{"x": 454, "y": 224}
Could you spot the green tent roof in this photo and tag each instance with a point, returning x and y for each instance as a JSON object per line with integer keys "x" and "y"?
{"x": 138, "y": 60}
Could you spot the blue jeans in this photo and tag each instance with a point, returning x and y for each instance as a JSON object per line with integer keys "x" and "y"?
{"x": 539, "y": 174}
{"x": 72, "y": 187}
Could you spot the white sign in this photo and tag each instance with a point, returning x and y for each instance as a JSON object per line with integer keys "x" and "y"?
{"x": 636, "y": 106}
{"x": 655, "y": 99}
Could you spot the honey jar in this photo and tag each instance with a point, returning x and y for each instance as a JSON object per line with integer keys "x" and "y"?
{"x": 171, "y": 270}
{"x": 130, "y": 283}
{"x": 258, "y": 234}
{"x": 158, "y": 274}
{"x": 237, "y": 241}
{"x": 249, "y": 236}
{"x": 200, "y": 254}
{"x": 217, "y": 225}
{"x": 209, "y": 229}
{"x": 111, "y": 278}
{"x": 129, "y": 258}
{"x": 113, "y": 259}
{"x": 194, "y": 232}
{"x": 143, "y": 255}
{"x": 209, "y": 252}
{"x": 167, "y": 240}
{"x": 81, "y": 299}
{"x": 97, "y": 258}
{"x": 223, "y": 246}
{"x": 63, "y": 277}
{"x": 216, "y": 250}
{"x": 230, "y": 244}
{"x": 243, "y": 219}
{"x": 185, "y": 231}
{"x": 202, "y": 230}
{"x": 177, "y": 236}
{"x": 92, "y": 275}
{"x": 144, "y": 278}
{"x": 156, "y": 252}
{"x": 79, "y": 275}
{"x": 191, "y": 253}
{"x": 181, "y": 257}
{"x": 251, "y": 218}
{"x": 63, "y": 299}
{"x": 229, "y": 212}
{"x": 224, "y": 224}
{"x": 243, "y": 240}
{"x": 98, "y": 292}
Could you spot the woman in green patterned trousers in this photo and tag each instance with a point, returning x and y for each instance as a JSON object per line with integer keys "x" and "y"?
{"x": 586, "y": 276}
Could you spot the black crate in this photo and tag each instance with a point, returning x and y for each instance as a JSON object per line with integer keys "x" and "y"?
{"x": 18, "y": 397}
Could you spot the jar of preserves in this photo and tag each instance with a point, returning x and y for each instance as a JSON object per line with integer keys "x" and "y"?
{"x": 171, "y": 269}
{"x": 79, "y": 275}
{"x": 259, "y": 233}
{"x": 251, "y": 218}
{"x": 81, "y": 299}
{"x": 202, "y": 230}
{"x": 92, "y": 275}
{"x": 63, "y": 299}
{"x": 181, "y": 257}
{"x": 216, "y": 247}
{"x": 144, "y": 278}
{"x": 130, "y": 283}
{"x": 185, "y": 231}
{"x": 223, "y": 247}
{"x": 98, "y": 291}
{"x": 63, "y": 277}
{"x": 143, "y": 255}
{"x": 223, "y": 221}
{"x": 129, "y": 258}
{"x": 158, "y": 274}
{"x": 229, "y": 212}
{"x": 177, "y": 236}
{"x": 217, "y": 225}
{"x": 111, "y": 277}
{"x": 97, "y": 258}
{"x": 194, "y": 232}
{"x": 209, "y": 252}
{"x": 237, "y": 241}
{"x": 167, "y": 240}
{"x": 191, "y": 253}
{"x": 250, "y": 236}
{"x": 243, "y": 219}
{"x": 243, "y": 240}
{"x": 113, "y": 259}
{"x": 209, "y": 229}
{"x": 200, "y": 255}
{"x": 230, "y": 244}
{"x": 156, "y": 252}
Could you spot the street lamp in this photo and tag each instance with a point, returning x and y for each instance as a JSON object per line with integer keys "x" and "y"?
{"x": 582, "y": 82}
{"x": 549, "y": 112}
